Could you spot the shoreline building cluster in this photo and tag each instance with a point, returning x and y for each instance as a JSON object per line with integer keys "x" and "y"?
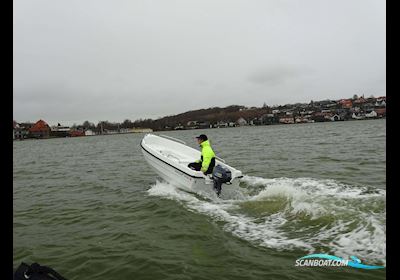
{"x": 356, "y": 108}
{"x": 42, "y": 130}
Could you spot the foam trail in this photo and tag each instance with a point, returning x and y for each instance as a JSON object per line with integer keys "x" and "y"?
{"x": 299, "y": 213}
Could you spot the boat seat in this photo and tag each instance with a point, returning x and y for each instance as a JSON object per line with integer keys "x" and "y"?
{"x": 172, "y": 156}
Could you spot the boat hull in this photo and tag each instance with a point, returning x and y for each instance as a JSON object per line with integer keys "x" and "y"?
{"x": 170, "y": 159}
{"x": 167, "y": 172}
{"x": 186, "y": 182}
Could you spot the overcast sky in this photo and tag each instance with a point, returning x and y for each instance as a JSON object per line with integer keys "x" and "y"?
{"x": 114, "y": 60}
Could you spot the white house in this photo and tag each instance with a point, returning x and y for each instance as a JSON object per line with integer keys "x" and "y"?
{"x": 60, "y": 128}
{"x": 241, "y": 121}
{"x": 371, "y": 114}
{"x": 358, "y": 117}
{"x": 380, "y": 103}
{"x": 192, "y": 123}
{"x": 336, "y": 117}
{"x": 222, "y": 124}
{"x": 89, "y": 132}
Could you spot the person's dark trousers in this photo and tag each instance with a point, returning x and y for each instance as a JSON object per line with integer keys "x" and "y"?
{"x": 197, "y": 166}
{"x": 210, "y": 167}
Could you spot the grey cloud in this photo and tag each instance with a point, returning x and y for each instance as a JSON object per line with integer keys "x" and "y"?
{"x": 97, "y": 59}
{"x": 273, "y": 75}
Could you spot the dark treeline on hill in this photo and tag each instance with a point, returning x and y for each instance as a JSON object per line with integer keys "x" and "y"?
{"x": 203, "y": 118}
{"x": 207, "y": 116}
{"x": 199, "y": 118}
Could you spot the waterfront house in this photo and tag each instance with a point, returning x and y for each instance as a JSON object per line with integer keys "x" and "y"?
{"x": 269, "y": 119}
{"x": 346, "y": 103}
{"x": 380, "y": 103}
{"x": 327, "y": 114}
{"x": 76, "y": 133}
{"x": 89, "y": 132}
{"x": 322, "y": 116}
{"x": 337, "y": 117}
{"x": 222, "y": 124}
{"x": 368, "y": 106}
{"x": 286, "y": 120}
{"x": 358, "y": 116}
{"x": 204, "y": 124}
{"x": 360, "y": 100}
{"x": 22, "y": 130}
{"x": 381, "y": 112}
{"x": 191, "y": 123}
{"x": 106, "y": 131}
{"x": 256, "y": 121}
{"x": 60, "y": 131}
{"x": 371, "y": 114}
{"x": 26, "y": 125}
{"x": 301, "y": 119}
{"x": 179, "y": 127}
{"x": 40, "y": 130}
{"x": 241, "y": 121}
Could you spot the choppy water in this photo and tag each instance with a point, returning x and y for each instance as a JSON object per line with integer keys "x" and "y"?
{"x": 93, "y": 209}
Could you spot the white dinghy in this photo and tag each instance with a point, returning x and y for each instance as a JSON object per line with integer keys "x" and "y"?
{"x": 170, "y": 158}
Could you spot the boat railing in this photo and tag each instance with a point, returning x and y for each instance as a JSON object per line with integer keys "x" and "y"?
{"x": 172, "y": 138}
{"x": 220, "y": 159}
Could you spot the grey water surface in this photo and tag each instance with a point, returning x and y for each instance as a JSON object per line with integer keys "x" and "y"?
{"x": 92, "y": 208}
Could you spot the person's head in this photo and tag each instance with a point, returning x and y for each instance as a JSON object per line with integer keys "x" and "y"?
{"x": 201, "y": 138}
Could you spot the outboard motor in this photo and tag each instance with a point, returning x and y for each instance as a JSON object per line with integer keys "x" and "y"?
{"x": 220, "y": 176}
{"x": 36, "y": 271}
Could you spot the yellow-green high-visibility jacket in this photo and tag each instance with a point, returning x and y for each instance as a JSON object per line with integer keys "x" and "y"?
{"x": 207, "y": 154}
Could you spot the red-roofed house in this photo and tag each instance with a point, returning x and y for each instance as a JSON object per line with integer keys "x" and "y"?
{"x": 40, "y": 130}
{"x": 346, "y": 103}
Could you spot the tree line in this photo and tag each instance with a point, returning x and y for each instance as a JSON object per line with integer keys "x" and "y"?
{"x": 211, "y": 115}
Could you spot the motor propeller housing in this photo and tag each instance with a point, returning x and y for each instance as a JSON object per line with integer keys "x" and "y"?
{"x": 220, "y": 176}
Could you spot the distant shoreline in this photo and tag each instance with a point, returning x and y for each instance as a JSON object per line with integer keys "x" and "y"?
{"x": 143, "y": 132}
